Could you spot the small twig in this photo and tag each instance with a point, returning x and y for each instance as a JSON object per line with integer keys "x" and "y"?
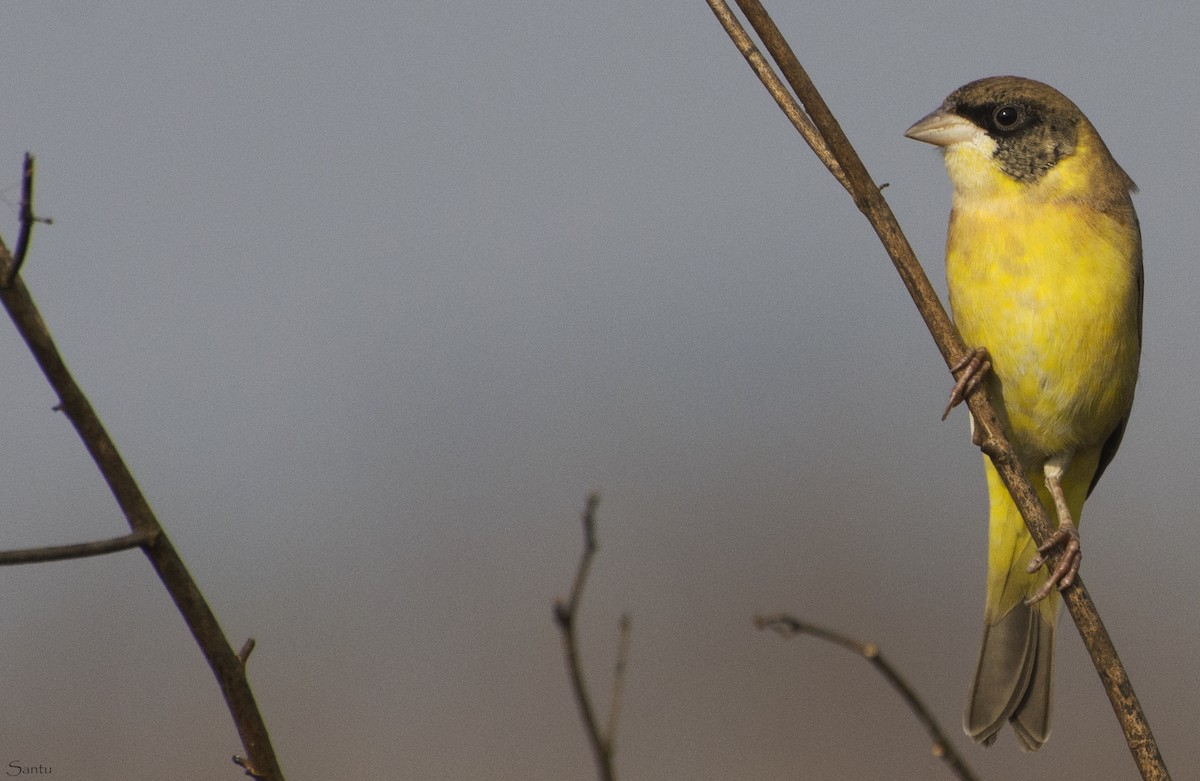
{"x": 27, "y": 219}
{"x": 247, "y": 649}
{"x": 618, "y": 687}
{"x": 247, "y": 766}
{"x": 789, "y": 626}
{"x": 870, "y": 201}
{"x": 565, "y": 613}
{"x": 76, "y": 551}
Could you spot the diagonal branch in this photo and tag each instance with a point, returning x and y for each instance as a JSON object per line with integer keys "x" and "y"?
{"x": 870, "y": 201}
{"x": 227, "y": 668}
{"x": 789, "y": 626}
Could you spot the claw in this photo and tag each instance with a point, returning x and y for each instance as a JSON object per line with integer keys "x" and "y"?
{"x": 975, "y": 365}
{"x": 1067, "y": 536}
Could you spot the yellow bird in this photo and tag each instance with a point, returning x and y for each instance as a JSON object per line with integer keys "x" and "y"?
{"x": 1044, "y": 266}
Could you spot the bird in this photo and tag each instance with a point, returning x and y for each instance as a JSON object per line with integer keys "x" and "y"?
{"x": 1044, "y": 271}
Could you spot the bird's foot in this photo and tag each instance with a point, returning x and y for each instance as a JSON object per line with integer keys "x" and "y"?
{"x": 1066, "y": 538}
{"x": 974, "y": 365}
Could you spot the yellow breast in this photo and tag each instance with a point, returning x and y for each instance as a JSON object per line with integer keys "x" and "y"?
{"x": 1049, "y": 285}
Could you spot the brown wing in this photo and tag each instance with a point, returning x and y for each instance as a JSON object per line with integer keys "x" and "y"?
{"x": 1109, "y": 450}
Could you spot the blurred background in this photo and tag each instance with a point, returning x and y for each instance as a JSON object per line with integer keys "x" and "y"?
{"x": 372, "y": 294}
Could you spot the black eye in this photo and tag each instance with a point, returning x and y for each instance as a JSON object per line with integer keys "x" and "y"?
{"x": 1008, "y": 117}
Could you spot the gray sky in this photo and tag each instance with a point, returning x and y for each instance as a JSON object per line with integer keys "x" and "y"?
{"x": 372, "y": 294}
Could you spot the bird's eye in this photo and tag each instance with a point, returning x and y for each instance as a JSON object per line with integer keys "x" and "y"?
{"x": 1008, "y": 117}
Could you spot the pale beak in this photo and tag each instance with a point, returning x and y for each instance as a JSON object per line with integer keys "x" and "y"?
{"x": 941, "y": 128}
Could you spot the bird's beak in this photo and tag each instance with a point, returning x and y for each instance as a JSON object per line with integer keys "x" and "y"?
{"x": 941, "y": 128}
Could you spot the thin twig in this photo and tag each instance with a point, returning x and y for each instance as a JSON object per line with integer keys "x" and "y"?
{"x": 246, "y": 765}
{"x": 618, "y": 687}
{"x": 77, "y": 550}
{"x": 869, "y": 200}
{"x": 26, "y": 219}
{"x": 789, "y": 626}
{"x": 565, "y": 613}
{"x": 228, "y": 670}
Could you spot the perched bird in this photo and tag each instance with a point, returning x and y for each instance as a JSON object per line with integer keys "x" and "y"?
{"x": 1044, "y": 266}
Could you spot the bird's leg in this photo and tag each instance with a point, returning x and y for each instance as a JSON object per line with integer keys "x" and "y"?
{"x": 975, "y": 365}
{"x": 1066, "y": 537}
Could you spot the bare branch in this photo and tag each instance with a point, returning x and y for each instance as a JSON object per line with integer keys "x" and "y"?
{"x": 870, "y": 201}
{"x": 226, "y": 667}
{"x": 76, "y": 551}
{"x": 564, "y": 616}
{"x": 789, "y": 626}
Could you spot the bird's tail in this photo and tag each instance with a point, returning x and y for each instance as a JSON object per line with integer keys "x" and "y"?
{"x": 1013, "y": 677}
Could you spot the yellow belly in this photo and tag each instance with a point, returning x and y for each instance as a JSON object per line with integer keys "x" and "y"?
{"x": 1051, "y": 290}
